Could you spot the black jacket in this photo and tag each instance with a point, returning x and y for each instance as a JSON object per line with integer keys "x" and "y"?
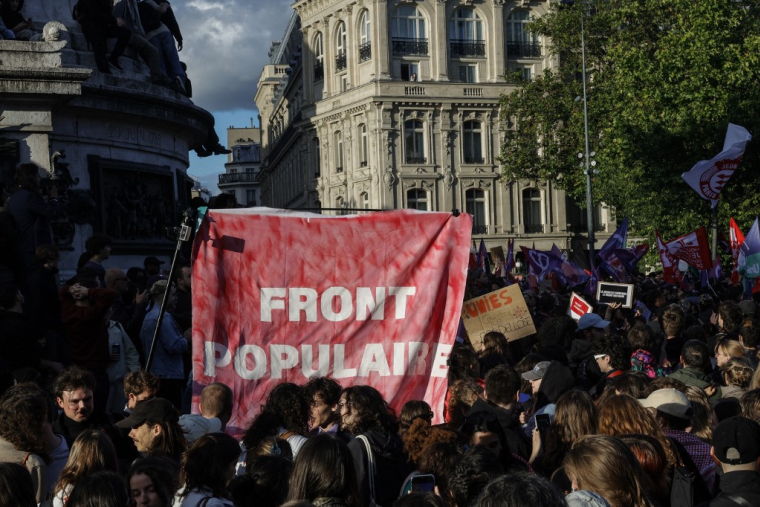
{"x": 95, "y": 14}
{"x": 558, "y": 379}
{"x": 391, "y": 466}
{"x": 745, "y": 485}
{"x": 509, "y": 425}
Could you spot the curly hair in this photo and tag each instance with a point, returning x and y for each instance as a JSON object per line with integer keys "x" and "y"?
{"x": 137, "y": 382}
{"x": 737, "y": 372}
{"x": 91, "y": 452}
{"x": 574, "y": 416}
{"x": 616, "y": 347}
{"x": 624, "y": 415}
{"x": 286, "y": 407}
{"x": 370, "y": 409}
{"x": 73, "y": 378}
{"x": 664, "y": 383}
{"x": 324, "y": 388}
{"x": 439, "y": 459}
{"x": 420, "y": 436}
{"x": 462, "y": 394}
{"x": 461, "y": 362}
{"x": 731, "y": 315}
{"x": 204, "y": 464}
{"x": 24, "y": 409}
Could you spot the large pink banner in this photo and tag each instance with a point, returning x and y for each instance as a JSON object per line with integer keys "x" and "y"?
{"x": 366, "y": 299}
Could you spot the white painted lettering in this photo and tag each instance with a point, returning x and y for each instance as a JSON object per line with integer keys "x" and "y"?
{"x": 259, "y": 361}
{"x": 302, "y": 299}
{"x": 268, "y": 303}
{"x": 346, "y": 306}
{"x": 374, "y": 359}
{"x": 401, "y": 294}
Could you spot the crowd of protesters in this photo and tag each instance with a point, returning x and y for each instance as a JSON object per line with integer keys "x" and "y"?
{"x": 614, "y": 409}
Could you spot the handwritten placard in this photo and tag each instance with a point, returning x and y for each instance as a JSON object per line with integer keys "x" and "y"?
{"x": 503, "y": 310}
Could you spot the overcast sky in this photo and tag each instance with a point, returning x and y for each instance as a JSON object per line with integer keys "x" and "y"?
{"x": 225, "y": 48}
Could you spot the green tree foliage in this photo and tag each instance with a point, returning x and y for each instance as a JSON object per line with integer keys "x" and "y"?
{"x": 665, "y": 77}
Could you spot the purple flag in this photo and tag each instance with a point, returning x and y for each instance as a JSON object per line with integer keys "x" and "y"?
{"x": 544, "y": 263}
{"x": 631, "y": 256}
{"x": 616, "y": 241}
{"x": 510, "y": 260}
{"x": 483, "y": 257}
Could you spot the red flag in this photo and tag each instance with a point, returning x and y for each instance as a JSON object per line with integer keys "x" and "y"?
{"x": 692, "y": 248}
{"x": 737, "y": 239}
{"x": 670, "y": 271}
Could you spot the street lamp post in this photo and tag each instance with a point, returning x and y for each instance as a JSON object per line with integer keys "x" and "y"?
{"x": 587, "y": 154}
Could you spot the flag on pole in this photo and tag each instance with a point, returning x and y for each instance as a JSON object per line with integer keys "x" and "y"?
{"x": 483, "y": 262}
{"x": 716, "y": 273}
{"x": 616, "y": 241}
{"x": 692, "y": 248}
{"x": 631, "y": 256}
{"x": 510, "y": 260}
{"x": 670, "y": 271}
{"x": 615, "y": 268}
{"x": 544, "y": 263}
{"x": 708, "y": 177}
{"x": 750, "y": 251}
{"x": 737, "y": 238}
{"x": 473, "y": 262}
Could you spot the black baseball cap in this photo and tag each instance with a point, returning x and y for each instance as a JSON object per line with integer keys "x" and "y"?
{"x": 737, "y": 441}
{"x": 155, "y": 410}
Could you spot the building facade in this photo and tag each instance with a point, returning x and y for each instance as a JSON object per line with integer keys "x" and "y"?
{"x": 385, "y": 104}
{"x": 241, "y": 171}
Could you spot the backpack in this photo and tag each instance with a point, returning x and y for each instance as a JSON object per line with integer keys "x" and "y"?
{"x": 149, "y": 17}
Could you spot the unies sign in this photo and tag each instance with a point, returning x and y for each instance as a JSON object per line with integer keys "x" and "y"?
{"x": 365, "y": 299}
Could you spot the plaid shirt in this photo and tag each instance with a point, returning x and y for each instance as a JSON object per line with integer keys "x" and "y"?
{"x": 699, "y": 452}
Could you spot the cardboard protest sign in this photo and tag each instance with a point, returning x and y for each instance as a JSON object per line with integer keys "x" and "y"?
{"x": 607, "y": 292}
{"x": 578, "y": 307}
{"x": 370, "y": 299}
{"x": 503, "y": 310}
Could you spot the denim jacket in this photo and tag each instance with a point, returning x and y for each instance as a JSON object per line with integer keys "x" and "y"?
{"x": 170, "y": 344}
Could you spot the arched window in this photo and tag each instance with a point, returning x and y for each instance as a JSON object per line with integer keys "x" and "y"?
{"x": 319, "y": 57}
{"x": 414, "y": 140}
{"x": 365, "y": 37}
{"x": 466, "y": 33}
{"x": 532, "y": 211}
{"x": 521, "y": 43}
{"x": 340, "y": 203}
{"x": 339, "y": 152}
{"x": 408, "y": 31}
{"x": 364, "y": 146}
{"x": 341, "y": 43}
{"x": 364, "y": 199}
{"x": 472, "y": 144}
{"x": 416, "y": 199}
{"x": 475, "y": 202}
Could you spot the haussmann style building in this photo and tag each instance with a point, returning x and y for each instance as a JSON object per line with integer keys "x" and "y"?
{"x": 386, "y": 104}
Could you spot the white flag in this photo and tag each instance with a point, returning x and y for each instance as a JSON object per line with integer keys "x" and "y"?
{"x": 708, "y": 177}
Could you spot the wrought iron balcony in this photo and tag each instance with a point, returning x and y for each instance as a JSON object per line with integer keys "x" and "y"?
{"x": 480, "y": 229}
{"x": 474, "y": 160}
{"x": 463, "y": 48}
{"x": 340, "y": 61}
{"x": 583, "y": 228}
{"x": 518, "y": 49}
{"x": 319, "y": 71}
{"x": 416, "y": 160}
{"x": 409, "y": 47}
{"x": 365, "y": 51}
{"x": 237, "y": 178}
{"x": 534, "y": 228}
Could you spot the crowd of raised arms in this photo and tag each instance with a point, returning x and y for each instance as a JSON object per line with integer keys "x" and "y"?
{"x": 613, "y": 409}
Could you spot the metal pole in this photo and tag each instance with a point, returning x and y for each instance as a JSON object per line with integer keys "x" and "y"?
{"x": 184, "y": 235}
{"x": 589, "y": 201}
{"x": 714, "y": 231}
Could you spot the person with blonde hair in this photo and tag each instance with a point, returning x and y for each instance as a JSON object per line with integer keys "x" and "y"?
{"x": 605, "y": 465}
{"x": 727, "y": 349}
{"x": 737, "y": 374}
{"x": 703, "y": 418}
{"x": 91, "y": 452}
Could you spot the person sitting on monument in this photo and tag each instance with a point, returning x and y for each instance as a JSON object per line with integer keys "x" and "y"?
{"x": 160, "y": 36}
{"x": 127, "y": 11}
{"x": 22, "y": 28}
{"x": 99, "y": 25}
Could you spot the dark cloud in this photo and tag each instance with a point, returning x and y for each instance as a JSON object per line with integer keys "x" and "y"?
{"x": 225, "y": 47}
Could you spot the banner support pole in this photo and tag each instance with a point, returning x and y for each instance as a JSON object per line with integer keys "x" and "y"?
{"x": 714, "y": 231}
{"x": 183, "y": 235}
